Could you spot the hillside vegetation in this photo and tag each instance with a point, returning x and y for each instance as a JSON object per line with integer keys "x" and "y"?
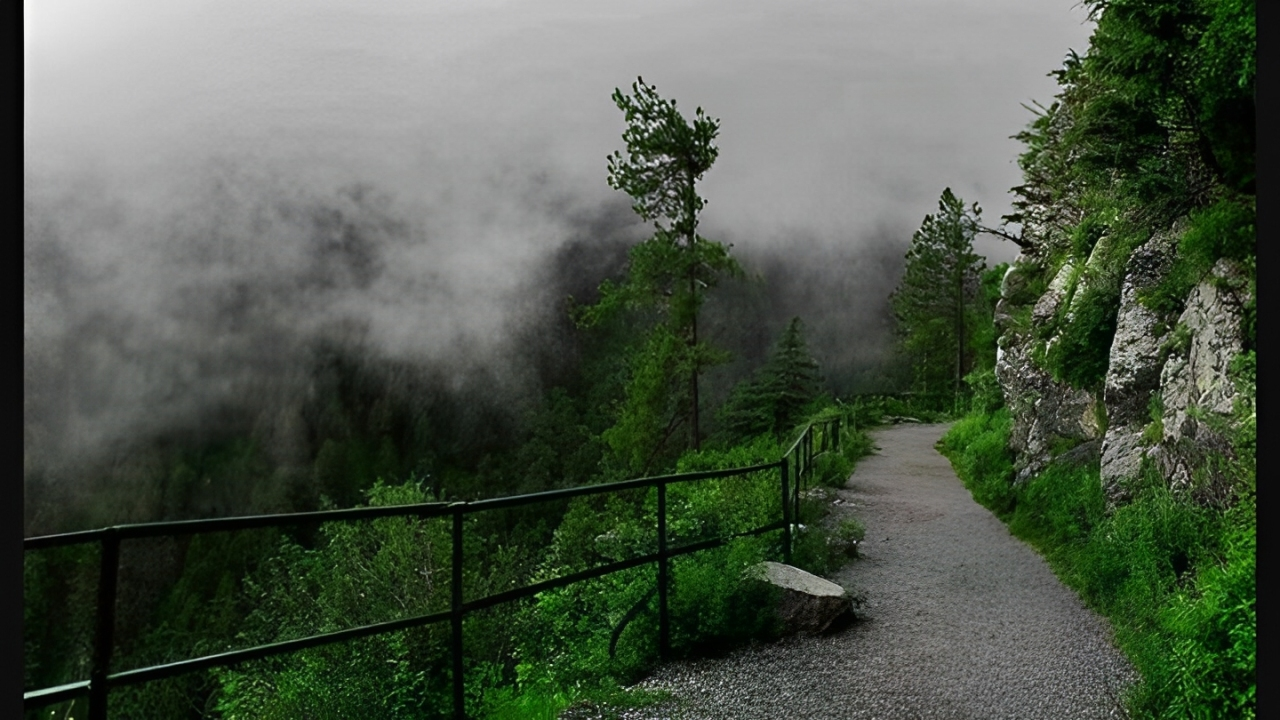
{"x": 624, "y": 403}
{"x": 1121, "y": 442}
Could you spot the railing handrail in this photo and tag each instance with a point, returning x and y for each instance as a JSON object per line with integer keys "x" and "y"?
{"x": 101, "y": 680}
{"x": 802, "y": 452}
{"x": 134, "y": 531}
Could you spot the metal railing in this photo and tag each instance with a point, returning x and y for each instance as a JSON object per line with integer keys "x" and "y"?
{"x": 799, "y": 457}
{"x": 817, "y": 438}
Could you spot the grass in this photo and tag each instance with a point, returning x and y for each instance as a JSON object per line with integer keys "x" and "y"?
{"x": 1175, "y": 578}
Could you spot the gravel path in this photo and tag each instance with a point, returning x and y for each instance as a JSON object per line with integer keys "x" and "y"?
{"x": 962, "y": 619}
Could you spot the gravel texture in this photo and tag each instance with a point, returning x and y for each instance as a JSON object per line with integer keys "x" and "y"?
{"x": 962, "y": 619}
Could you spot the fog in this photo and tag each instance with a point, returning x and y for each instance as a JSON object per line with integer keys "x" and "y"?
{"x": 211, "y": 188}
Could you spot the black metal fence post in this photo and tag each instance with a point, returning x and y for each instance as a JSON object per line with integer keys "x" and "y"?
{"x": 664, "y": 621}
{"x": 459, "y": 682}
{"x": 104, "y": 633}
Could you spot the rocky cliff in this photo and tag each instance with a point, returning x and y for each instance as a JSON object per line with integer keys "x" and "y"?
{"x": 1172, "y": 394}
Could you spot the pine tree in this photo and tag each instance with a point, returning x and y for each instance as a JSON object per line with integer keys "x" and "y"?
{"x": 775, "y": 398}
{"x": 668, "y": 274}
{"x": 938, "y": 294}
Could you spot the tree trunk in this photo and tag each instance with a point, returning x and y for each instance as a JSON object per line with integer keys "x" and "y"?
{"x": 959, "y": 342}
{"x": 693, "y": 298}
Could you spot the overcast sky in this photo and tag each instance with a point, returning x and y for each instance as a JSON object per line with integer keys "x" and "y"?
{"x": 837, "y": 116}
{"x": 187, "y": 235}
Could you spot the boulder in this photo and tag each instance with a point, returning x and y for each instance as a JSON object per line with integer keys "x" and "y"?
{"x": 808, "y": 603}
{"x": 1082, "y": 455}
{"x": 1123, "y": 449}
{"x": 1133, "y": 370}
{"x": 1046, "y": 308}
{"x": 1196, "y": 377}
{"x": 1194, "y": 383}
{"x": 1044, "y": 411}
{"x": 1134, "y": 365}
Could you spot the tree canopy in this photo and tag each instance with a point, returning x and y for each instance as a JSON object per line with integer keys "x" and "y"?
{"x": 938, "y": 294}
{"x": 775, "y": 398}
{"x": 668, "y": 275}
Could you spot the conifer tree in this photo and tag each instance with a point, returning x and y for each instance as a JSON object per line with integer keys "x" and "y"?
{"x": 775, "y": 398}
{"x": 667, "y": 275}
{"x": 938, "y": 294}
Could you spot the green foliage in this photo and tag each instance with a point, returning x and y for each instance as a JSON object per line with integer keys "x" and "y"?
{"x": 934, "y": 301}
{"x": 775, "y": 398}
{"x": 199, "y": 615}
{"x": 832, "y": 469}
{"x": 855, "y": 444}
{"x": 570, "y": 630}
{"x": 850, "y": 531}
{"x": 562, "y": 450}
{"x": 1083, "y": 348}
{"x": 1153, "y": 433}
{"x": 1086, "y": 235}
{"x": 1179, "y": 66}
{"x": 59, "y": 588}
{"x": 359, "y": 573}
{"x": 870, "y": 410}
{"x": 655, "y": 406}
{"x": 1154, "y": 122}
{"x": 1176, "y": 579}
{"x": 667, "y": 276}
{"x": 1214, "y": 635}
{"x": 1225, "y": 229}
{"x": 978, "y": 447}
{"x": 985, "y": 395}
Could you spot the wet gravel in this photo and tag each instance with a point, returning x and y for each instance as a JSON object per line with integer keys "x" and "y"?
{"x": 962, "y": 620}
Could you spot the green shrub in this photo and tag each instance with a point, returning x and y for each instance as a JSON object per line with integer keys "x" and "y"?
{"x": 1083, "y": 349}
{"x": 978, "y": 445}
{"x": 832, "y": 469}
{"x": 855, "y": 445}
{"x": 1225, "y": 229}
{"x": 1213, "y": 631}
{"x": 584, "y": 639}
{"x": 1086, "y": 235}
{"x": 359, "y": 573}
{"x": 985, "y": 395}
{"x": 1175, "y": 578}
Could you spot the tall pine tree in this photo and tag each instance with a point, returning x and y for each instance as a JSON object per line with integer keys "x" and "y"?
{"x": 938, "y": 295}
{"x": 668, "y": 275}
{"x": 775, "y": 398}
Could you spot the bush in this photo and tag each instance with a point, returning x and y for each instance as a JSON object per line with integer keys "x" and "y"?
{"x": 360, "y": 573}
{"x": 978, "y": 446}
{"x": 1225, "y": 229}
{"x": 832, "y": 469}
{"x": 1083, "y": 349}
{"x": 1175, "y": 578}
{"x": 985, "y": 395}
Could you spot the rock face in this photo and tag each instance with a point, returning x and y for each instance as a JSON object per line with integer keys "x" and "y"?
{"x": 1178, "y": 367}
{"x": 1047, "y": 306}
{"x": 1133, "y": 369}
{"x": 1045, "y": 411}
{"x": 1194, "y": 384}
{"x": 809, "y": 603}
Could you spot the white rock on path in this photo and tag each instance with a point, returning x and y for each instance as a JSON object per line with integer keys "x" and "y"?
{"x": 809, "y": 603}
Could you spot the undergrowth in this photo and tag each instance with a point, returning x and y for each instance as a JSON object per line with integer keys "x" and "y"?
{"x": 1176, "y": 579}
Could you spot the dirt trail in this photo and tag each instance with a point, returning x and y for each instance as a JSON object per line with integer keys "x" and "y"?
{"x": 962, "y": 621}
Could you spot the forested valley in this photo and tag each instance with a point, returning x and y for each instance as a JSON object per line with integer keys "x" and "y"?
{"x": 667, "y": 354}
{"x": 1102, "y": 387}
